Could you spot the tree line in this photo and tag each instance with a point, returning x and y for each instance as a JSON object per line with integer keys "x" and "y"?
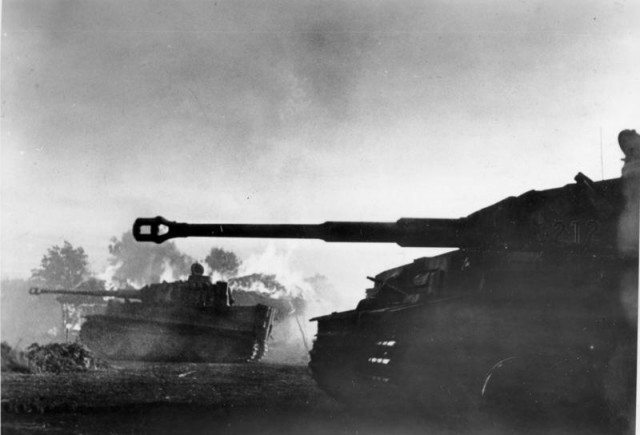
{"x": 67, "y": 266}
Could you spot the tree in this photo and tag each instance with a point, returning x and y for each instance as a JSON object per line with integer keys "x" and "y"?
{"x": 93, "y": 284}
{"x": 144, "y": 263}
{"x": 63, "y": 267}
{"x": 226, "y": 263}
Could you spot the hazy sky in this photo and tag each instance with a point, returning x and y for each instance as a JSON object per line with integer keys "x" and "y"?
{"x": 299, "y": 111}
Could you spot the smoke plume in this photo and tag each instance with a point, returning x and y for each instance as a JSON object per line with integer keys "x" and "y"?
{"x": 270, "y": 278}
{"x": 136, "y": 264}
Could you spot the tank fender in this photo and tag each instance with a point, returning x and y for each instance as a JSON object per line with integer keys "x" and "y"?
{"x": 493, "y": 371}
{"x": 527, "y": 387}
{"x": 513, "y": 389}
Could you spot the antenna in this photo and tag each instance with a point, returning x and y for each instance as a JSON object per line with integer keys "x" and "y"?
{"x": 601, "y": 156}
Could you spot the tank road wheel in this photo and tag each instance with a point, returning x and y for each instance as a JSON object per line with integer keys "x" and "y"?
{"x": 103, "y": 340}
{"x": 226, "y": 350}
{"x": 211, "y": 349}
{"x": 111, "y": 346}
{"x": 168, "y": 346}
{"x": 141, "y": 346}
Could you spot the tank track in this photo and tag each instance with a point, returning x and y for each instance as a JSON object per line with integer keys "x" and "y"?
{"x": 376, "y": 361}
{"x": 260, "y": 348}
{"x": 354, "y": 369}
{"x": 161, "y": 342}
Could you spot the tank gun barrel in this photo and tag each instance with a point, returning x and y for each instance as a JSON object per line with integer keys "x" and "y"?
{"x": 405, "y": 232}
{"x": 126, "y": 294}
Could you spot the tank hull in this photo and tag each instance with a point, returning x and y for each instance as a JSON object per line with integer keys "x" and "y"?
{"x": 533, "y": 339}
{"x": 141, "y": 333}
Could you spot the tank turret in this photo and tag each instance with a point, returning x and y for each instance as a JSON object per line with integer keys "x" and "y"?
{"x": 197, "y": 293}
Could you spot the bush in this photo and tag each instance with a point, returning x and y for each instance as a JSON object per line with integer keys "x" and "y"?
{"x": 62, "y": 358}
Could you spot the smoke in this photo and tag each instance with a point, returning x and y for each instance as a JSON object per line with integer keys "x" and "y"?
{"x": 108, "y": 276}
{"x": 169, "y": 274}
{"x": 25, "y": 318}
{"x": 277, "y": 262}
{"x": 266, "y": 285}
{"x": 73, "y": 318}
{"x": 297, "y": 298}
{"x": 319, "y": 294}
{"x": 136, "y": 264}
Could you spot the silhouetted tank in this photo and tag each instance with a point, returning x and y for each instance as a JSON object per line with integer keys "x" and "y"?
{"x": 192, "y": 320}
{"x": 534, "y": 313}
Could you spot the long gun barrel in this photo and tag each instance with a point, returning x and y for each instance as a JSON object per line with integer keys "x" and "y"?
{"x": 125, "y": 294}
{"x": 581, "y": 217}
{"x": 405, "y": 232}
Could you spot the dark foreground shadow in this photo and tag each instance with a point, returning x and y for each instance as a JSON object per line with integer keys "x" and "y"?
{"x": 308, "y": 419}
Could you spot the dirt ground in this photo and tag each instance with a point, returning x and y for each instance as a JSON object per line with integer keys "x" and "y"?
{"x": 143, "y": 398}
{"x": 253, "y": 398}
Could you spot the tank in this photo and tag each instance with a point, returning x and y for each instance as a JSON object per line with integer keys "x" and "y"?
{"x": 192, "y": 321}
{"x": 532, "y": 315}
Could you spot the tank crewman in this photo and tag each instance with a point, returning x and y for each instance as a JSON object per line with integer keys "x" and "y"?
{"x": 199, "y": 287}
{"x": 197, "y": 274}
{"x": 629, "y": 142}
{"x": 207, "y": 294}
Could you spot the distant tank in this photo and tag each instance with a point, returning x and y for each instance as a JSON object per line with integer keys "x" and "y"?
{"x": 533, "y": 314}
{"x": 193, "y": 320}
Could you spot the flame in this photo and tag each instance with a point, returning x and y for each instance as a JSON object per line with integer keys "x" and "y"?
{"x": 213, "y": 274}
{"x": 268, "y": 285}
{"x": 108, "y": 276}
{"x": 277, "y": 264}
{"x": 167, "y": 272}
